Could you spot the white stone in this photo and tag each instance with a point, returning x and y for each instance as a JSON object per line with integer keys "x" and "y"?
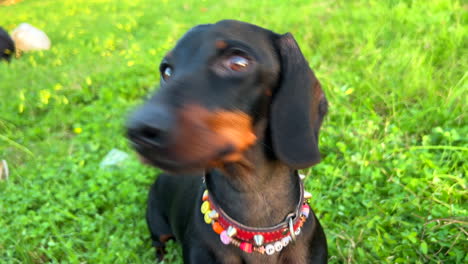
{"x": 27, "y": 37}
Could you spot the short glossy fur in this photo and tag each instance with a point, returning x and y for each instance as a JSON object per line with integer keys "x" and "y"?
{"x": 7, "y": 46}
{"x": 239, "y": 105}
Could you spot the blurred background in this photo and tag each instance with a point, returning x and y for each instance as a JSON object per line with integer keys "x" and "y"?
{"x": 391, "y": 187}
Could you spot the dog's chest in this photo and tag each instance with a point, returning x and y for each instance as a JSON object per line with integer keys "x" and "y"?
{"x": 292, "y": 255}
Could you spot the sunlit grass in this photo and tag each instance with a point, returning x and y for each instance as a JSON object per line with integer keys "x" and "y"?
{"x": 392, "y": 184}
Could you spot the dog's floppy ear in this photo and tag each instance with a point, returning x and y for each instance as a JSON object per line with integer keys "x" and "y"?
{"x": 298, "y": 108}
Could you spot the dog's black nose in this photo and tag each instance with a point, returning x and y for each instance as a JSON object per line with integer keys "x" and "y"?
{"x": 150, "y": 126}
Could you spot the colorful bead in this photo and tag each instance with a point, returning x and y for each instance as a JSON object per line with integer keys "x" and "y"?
{"x": 278, "y": 246}
{"x": 228, "y": 236}
{"x": 217, "y": 228}
{"x": 270, "y": 249}
{"x": 260, "y": 250}
{"x": 258, "y": 239}
{"x": 225, "y": 238}
{"x": 246, "y": 247}
{"x": 231, "y": 231}
{"x": 301, "y": 223}
{"x": 207, "y": 218}
{"x": 285, "y": 241}
{"x": 213, "y": 214}
{"x": 305, "y": 210}
{"x": 205, "y": 207}
{"x": 235, "y": 242}
{"x": 298, "y": 231}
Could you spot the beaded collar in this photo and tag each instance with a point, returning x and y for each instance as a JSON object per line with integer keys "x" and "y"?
{"x": 265, "y": 240}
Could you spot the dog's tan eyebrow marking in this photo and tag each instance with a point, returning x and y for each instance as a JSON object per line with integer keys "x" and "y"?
{"x": 220, "y": 44}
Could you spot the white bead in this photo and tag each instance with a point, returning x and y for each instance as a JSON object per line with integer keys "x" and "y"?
{"x": 298, "y": 231}
{"x": 285, "y": 241}
{"x": 231, "y": 231}
{"x": 301, "y": 176}
{"x": 258, "y": 239}
{"x": 278, "y": 246}
{"x": 213, "y": 214}
{"x": 270, "y": 249}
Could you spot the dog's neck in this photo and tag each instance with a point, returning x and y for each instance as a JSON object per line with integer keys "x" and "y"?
{"x": 256, "y": 191}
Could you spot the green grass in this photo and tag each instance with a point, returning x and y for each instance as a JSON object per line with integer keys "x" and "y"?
{"x": 392, "y": 184}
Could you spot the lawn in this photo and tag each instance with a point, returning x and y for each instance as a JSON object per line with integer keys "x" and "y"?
{"x": 391, "y": 187}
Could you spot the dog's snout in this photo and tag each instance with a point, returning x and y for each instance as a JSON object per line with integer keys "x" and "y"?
{"x": 152, "y": 134}
{"x": 150, "y": 126}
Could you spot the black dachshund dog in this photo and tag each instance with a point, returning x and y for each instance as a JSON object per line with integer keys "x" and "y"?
{"x": 7, "y": 46}
{"x": 237, "y": 114}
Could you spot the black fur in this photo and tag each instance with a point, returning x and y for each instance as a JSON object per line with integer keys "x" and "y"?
{"x": 7, "y": 46}
{"x": 294, "y": 130}
{"x": 286, "y": 106}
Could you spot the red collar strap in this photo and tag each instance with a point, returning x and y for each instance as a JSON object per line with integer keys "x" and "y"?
{"x": 267, "y": 240}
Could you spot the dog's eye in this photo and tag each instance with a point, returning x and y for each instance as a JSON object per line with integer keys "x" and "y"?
{"x": 237, "y": 63}
{"x": 166, "y": 72}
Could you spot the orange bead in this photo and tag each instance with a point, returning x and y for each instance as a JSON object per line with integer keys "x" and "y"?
{"x": 217, "y": 228}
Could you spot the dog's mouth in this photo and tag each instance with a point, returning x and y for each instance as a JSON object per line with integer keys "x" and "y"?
{"x": 201, "y": 139}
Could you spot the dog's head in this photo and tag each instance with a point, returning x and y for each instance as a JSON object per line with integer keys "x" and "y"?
{"x": 217, "y": 85}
